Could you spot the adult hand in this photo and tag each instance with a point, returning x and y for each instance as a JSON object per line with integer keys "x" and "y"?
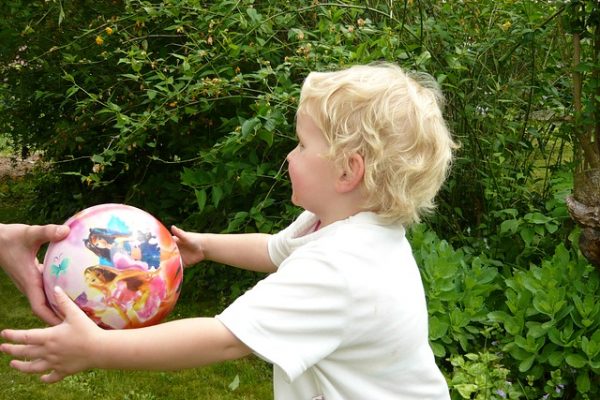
{"x": 19, "y": 245}
{"x": 58, "y": 351}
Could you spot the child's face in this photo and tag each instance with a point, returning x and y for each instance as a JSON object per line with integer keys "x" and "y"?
{"x": 312, "y": 174}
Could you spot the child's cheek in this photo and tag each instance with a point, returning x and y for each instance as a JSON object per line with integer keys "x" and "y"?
{"x": 295, "y": 178}
{"x": 292, "y": 170}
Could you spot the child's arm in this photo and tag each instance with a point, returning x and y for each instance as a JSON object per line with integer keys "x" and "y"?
{"x": 78, "y": 344}
{"x": 247, "y": 251}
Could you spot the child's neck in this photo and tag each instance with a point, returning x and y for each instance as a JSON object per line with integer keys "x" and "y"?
{"x": 317, "y": 226}
{"x": 339, "y": 208}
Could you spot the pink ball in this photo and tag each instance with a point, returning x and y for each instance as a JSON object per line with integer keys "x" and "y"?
{"x": 119, "y": 264}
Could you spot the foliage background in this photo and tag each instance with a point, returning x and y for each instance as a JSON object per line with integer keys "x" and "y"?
{"x": 186, "y": 109}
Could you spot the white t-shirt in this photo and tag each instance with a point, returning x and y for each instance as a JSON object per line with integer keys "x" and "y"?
{"x": 344, "y": 316}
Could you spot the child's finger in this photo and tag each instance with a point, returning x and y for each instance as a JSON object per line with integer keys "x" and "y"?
{"x": 30, "y": 336}
{"x": 177, "y": 232}
{"x": 30, "y": 367}
{"x": 53, "y": 377}
{"x": 66, "y": 306}
{"x": 23, "y": 351}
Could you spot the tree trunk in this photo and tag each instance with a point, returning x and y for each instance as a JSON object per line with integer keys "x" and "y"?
{"x": 584, "y": 204}
{"x": 584, "y": 208}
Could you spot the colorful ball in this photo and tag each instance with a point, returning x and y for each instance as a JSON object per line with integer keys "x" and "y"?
{"x": 119, "y": 264}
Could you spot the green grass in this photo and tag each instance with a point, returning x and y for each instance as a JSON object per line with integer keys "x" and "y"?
{"x": 5, "y": 145}
{"x": 254, "y": 375}
{"x": 13, "y": 193}
{"x": 203, "y": 383}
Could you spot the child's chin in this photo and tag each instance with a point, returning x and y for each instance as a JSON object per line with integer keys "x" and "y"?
{"x": 295, "y": 200}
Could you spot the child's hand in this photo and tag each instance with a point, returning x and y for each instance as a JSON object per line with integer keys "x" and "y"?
{"x": 57, "y": 351}
{"x": 189, "y": 244}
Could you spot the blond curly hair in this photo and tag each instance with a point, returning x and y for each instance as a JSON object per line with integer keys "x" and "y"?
{"x": 393, "y": 119}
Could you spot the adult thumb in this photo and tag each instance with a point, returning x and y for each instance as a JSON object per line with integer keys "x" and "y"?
{"x": 58, "y": 232}
{"x": 38, "y": 234}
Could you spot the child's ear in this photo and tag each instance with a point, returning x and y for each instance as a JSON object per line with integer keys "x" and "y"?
{"x": 352, "y": 175}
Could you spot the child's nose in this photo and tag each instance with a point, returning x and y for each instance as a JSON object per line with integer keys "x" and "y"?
{"x": 289, "y": 155}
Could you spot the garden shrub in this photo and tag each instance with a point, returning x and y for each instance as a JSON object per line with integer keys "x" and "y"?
{"x": 551, "y": 322}
{"x": 481, "y": 376}
{"x": 460, "y": 289}
{"x": 531, "y": 335}
{"x": 186, "y": 109}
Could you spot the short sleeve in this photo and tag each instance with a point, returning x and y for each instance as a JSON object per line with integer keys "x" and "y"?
{"x": 282, "y": 244}
{"x": 295, "y": 317}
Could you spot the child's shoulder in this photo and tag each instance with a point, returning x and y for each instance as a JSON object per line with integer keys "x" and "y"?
{"x": 358, "y": 233}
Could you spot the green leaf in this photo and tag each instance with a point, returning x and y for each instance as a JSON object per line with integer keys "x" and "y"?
{"x": 575, "y": 360}
{"x": 136, "y": 65}
{"x": 113, "y": 107}
{"x": 536, "y": 329}
{"x": 68, "y": 77}
{"x": 509, "y": 225}
{"x": 194, "y": 177}
{"x": 514, "y": 326}
{"x": 201, "y": 198}
{"x": 72, "y": 90}
{"x": 266, "y": 137}
{"x": 526, "y": 364}
{"x": 561, "y": 255}
{"x": 235, "y": 383}
{"x": 466, "y": 389}
{"x": 217, "y": 195}
{"x": 131, "y": 76}
{"x": 61, "y": 14}
{"x": 235, "y": 223}
{"x": 498, "y": 316}
{"x": 583, "y": 382}
{"x": 254, "y": 15}
{"x": 556, "y": 358}
{"x": 537, "y": 218}
{"x": 250, "y": 125}
{"x": 438, "y": 328}
{"x": 527, "y": 235}
{"x": 551, "y": 228}
{"x": 591, "y": 348}
{"x": 438, "y": 349}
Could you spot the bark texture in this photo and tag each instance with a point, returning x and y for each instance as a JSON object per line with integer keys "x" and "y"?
{"x": 584, "y": 208}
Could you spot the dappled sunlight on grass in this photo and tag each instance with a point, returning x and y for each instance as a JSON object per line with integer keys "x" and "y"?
{"x": 203, "y": 383}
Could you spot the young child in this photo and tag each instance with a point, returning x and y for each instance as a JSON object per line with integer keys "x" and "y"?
{"x": 342, "y": 314}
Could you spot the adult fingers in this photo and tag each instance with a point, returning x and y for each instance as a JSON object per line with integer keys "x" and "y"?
{"x": 38, "y": 234}
{"x": 39, "y": 306}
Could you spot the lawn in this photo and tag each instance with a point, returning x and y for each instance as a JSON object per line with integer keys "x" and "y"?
{"x": 249, "y": 378}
